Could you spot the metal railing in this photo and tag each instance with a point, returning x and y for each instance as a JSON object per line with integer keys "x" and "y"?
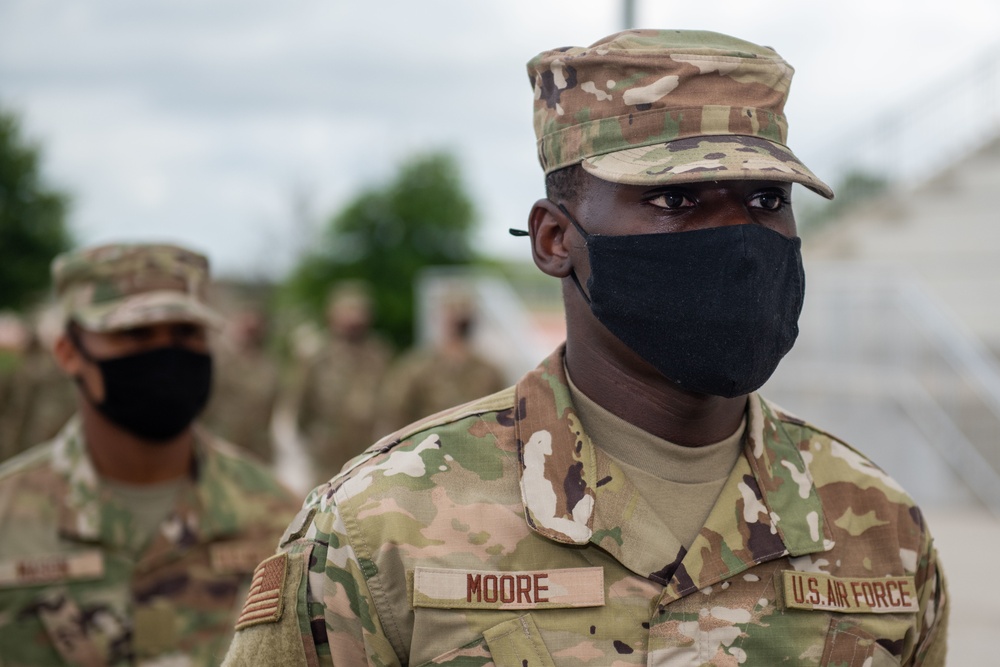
{"x": 926, "y": 132}
{"x": 871, "y": 335}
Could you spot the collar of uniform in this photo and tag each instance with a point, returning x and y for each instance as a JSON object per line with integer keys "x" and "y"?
{"x": 570, "y": 493}
{"x": 88, "y": 514}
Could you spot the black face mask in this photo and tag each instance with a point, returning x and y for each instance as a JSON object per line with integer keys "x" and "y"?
{"x": 714, "y": 310}
{"x": 156, "y": 394}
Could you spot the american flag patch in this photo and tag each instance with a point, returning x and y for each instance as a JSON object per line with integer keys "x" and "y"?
{"x": 264, "y": 601}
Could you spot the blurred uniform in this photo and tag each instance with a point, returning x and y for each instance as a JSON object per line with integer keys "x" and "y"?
{"x": 13, "y": 342}
{"x": 445, "y": 374}
{"x": 338, "y": 394}
{"x": 245, "y": 389}
{"x": 37, "y": 402}
{"x": 96, "y": 571}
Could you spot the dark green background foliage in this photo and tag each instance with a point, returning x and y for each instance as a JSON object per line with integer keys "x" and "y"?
{"x": 32, "y": 219}
{"x": 422, "y": 217}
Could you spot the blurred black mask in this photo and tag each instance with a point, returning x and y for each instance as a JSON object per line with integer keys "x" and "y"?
{"x": 155, "y": 394}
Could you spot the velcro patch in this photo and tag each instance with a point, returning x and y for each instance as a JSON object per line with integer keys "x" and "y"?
{"x": 850, "y": 595}
{"x": 480, "y": 589}
{"x": 264, "y": 602}
{"x": 49, "y": 568}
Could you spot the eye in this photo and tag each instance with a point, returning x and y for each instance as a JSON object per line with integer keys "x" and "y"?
{"x": 672, "y": 200}
{"x": 769, "y": 200}
{"x": 138, "y": 333}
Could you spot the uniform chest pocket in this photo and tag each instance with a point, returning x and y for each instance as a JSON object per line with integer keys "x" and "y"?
{"x": 513, "y": 643}
{"x": 849, "y": 645}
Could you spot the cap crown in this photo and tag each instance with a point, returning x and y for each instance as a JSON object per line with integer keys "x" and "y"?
{"x": 126, "y": 285}
{"x": 644, "y": 87}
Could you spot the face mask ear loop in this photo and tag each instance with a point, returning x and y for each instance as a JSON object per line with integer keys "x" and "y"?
{"x": 74, "y": 336}
{"x": 586, "y": 237}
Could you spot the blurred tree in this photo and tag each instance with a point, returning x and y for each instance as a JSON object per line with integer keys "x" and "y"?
{"x": 386, "y": 235}
{"x": 32, "y": 219}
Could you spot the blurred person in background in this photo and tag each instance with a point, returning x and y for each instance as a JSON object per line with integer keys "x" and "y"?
{"x": 14, "y": 338}
{"x": 37, "y": 400}
{"x": 445, "y": 373}
{"x": 633, "y": 500}
{"x": 337, "y": 388}
{"x": 130, "y": 537}
{"x": 245, "y": 387}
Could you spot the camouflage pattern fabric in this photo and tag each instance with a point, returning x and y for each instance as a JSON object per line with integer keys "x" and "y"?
{"x": 718, "y": 100}
{"x": 72, "y": 590}
{"x": 121, "y": 286}
{"x": 244, "y": 393}
{"x": 423, "y": 382}
{"x": 38, "y": 401}
{"x": 337, "y": 402}
{"x": 499, "y": 534}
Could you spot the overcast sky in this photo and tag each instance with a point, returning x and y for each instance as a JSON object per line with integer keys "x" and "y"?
{"x": 205, "y": 121}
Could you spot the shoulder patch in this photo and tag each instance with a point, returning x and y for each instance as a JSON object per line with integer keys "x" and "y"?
{"x": 264, "y": 602}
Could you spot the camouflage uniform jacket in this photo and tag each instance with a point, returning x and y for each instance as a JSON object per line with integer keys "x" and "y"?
{"x": 76, "y": 590}
{"x": 498, "y": 534}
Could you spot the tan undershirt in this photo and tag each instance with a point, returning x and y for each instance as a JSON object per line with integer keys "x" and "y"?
{"x": 680, "y": 483}
{"x": 149, "y": 505}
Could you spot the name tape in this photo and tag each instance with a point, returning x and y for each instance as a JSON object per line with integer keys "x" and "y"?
{"x": 533, "y": 589}
{"x": 850, "y": 595}
{"x": 50, "y": 568}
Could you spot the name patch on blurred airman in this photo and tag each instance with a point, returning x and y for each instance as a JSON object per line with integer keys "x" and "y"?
{"x": 480, "y": 589}
{"x": 850, "y": 595}
{"x": 238, "y": 557}
{"x": 264, "y": 602}
{"x": 49, "y": 568}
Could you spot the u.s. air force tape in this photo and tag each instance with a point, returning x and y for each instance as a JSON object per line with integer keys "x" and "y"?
{"x": 483, "y": 589}
{"x": 850, "y": 595}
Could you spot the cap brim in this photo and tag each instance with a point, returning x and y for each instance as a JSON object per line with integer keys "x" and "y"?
{"x": 705, "y": 158}
{"x": 145, "y": 309}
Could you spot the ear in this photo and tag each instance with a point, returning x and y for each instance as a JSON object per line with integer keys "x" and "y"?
{"x": 67, "y": 357}
{"x": 550, "y": 236}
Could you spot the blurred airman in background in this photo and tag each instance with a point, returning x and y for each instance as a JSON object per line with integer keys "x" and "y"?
{"x": 337, "y": 388}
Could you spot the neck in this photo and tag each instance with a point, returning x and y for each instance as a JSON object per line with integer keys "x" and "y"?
{"x": 621, "y": 382}
{"x": 124, "y": 457}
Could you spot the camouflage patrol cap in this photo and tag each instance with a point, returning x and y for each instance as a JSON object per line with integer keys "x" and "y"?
{"x": 120, "y": 286}
{"x": 647, "y": 107}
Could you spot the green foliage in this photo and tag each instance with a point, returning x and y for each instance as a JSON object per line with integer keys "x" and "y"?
{"x": 32, "y": 219}
{"x": 386, "y": 235}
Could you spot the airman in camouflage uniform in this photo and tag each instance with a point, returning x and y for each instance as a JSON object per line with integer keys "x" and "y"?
{"x": 337, "y": 389}
{"x": 118, "y": 545}
{"x": 38, "y": 400}
{"x": 246, "y": 388}
{"x": 510, "y": 532}
{"x": 442, "y": 374}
